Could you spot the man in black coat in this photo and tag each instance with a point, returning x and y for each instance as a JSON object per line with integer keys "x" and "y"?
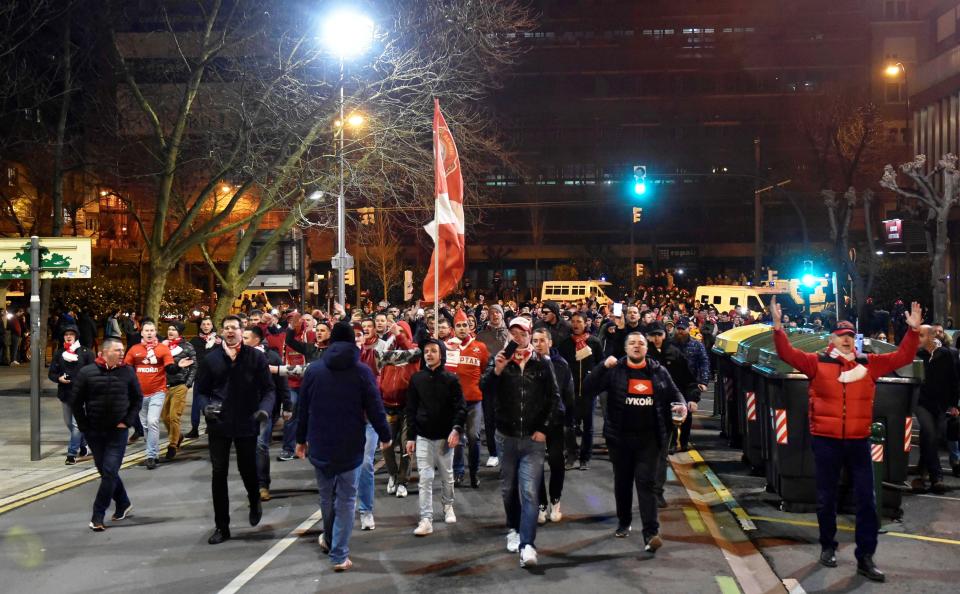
{"x": 582, "y": 352}
{"x": 640, "y": 394}
{"x": 67, "y": 361}
{"x": 938, "y": 398}
{"x": 240, "y": 391}
{"x": 561, "y": 423}
{"x": 106, "y": 401}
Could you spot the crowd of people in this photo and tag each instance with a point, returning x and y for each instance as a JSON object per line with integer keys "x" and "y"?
{"x": 521, "y": 380}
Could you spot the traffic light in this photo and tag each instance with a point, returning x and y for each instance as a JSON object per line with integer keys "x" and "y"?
{"x": 367, "y": 216}
{"x": 312, "y": 288}
{"x": 348, "y": 277}
{"x": 807, "y": 278}
{"x": 639, "y": 180}
{"x": 637, "y": 214}
{"x": 640, "y": 269}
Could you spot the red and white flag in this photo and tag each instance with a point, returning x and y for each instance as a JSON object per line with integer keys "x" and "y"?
{"x": 446, "y": 228}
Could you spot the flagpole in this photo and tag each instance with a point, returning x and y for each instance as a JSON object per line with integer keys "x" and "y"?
{"x": 436, "y": 280}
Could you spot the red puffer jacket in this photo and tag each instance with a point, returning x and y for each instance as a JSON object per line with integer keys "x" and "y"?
{"x": 398, "y": 364}
{"x": 843, "y": 410}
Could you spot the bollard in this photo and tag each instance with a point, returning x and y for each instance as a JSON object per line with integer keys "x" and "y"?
{"x": 877, "y": 439}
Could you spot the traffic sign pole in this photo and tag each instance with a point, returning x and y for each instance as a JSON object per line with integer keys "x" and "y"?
{"x": 35, "y": 362}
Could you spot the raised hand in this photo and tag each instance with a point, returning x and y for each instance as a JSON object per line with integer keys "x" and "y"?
{"x": 915, "y": 317}
{"x": 776, "y": 313}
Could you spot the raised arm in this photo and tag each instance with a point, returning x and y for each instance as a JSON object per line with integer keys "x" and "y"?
{"x": 806, "y": 363}
{"x": 881, "y": 365}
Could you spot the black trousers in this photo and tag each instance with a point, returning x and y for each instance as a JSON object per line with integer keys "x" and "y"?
{"x": 932, "y": 426}
{"x": 635, "y": 466}
{"x": 246, "y": 450}
{"x": 556, "y": 460}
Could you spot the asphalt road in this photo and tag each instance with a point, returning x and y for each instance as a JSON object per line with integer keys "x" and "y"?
{"x": 47, "y": 546}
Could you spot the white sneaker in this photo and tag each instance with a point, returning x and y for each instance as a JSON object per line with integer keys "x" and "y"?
{"x": 424, "y": 528}
{"x": 555, "y": 515}
{"x": 324, "y": 547}
{"x": 493, "y": 461}
{"x": 513, "y": 541}
{"x": 448, "y": 516}
{"x": 391, "y": 486}
{"x": 366, "y": 521}
{"x": 542, "y": 516}
{"x": 401, "y": 491}
{"x": 528, "y": 556}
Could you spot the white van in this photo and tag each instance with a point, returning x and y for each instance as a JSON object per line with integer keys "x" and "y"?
{"x": 745, "y": 299}
{"x": 575, "y": 291}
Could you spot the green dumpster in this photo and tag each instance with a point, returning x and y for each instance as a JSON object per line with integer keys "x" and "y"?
{"x": 791, "y": 471}
{"x": 725, "y": 401}
{"x": 745, "y": 381}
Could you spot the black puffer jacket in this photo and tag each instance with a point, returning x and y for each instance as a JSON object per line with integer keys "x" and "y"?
{"x": 524, "y": 400}
{"x": 102, "y": 398}
{"x": 59, "y": 366}
{"x": 435, "y": 404}
{"x": 182, "y": 375}
{"x": 615, "y": 383}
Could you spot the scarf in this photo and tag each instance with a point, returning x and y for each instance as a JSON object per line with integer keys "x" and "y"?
{"x": 520, "y": 356}
{"x": 850, "y": 370}
{"x": 174, "y": 345}
{"x": 260, "y": 348}
{"x": 210, "y": 338}
{"x": 579, "y": 341}
{"x": 151, "y": 356}
{"x": 70, "y": 351}
{"x": 103, "y": 363}
{"x": 231, "y": 350}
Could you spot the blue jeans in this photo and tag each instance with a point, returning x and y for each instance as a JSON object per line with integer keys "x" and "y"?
{"x": 338, "y": 498}
{"x": 954, "y": 448}
{"x": 290, "y": 427}
{"x": 196, "y": 408}
{"x": 521, "y": 470}
{"x": 76, "y": 438}
{"x": 108, "y": 448}
{"x": 365, "y": 482}
{"x": 150, "y": 419}
{"x": 263, "y": 453}
{"x": 471, "y": 432}
{"x": 830, "y": 456}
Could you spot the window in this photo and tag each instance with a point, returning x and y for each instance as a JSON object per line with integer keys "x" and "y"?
{"x": 11, "y": 176}
{"x": 734, "y": 301}
{"x": 92, "y": 223}
{"x": 754, "y": 304}
{"x": 717, "y": 300}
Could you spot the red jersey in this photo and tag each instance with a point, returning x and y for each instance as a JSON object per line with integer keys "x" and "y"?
{"x": 469, "y": 360}
{"x": 149, "y": 365}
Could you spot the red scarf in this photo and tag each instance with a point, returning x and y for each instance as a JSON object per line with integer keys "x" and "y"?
{"x": 103, "y": 363}
{"x": 850, "y": 369}
{"x": 174, "y": 345}
{"x": 232, "y": 350}
{"x": 150, "y": 344}
{"x": 521, "y": 355}
{"x": 70, "y": 351}
{"x": 580, "y": 341}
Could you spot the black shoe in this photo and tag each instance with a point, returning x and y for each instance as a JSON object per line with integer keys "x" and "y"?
{"x": 867, "y": 568}
{"x": 956, "y": 469}
{"x": 622, "y": 531}
{"x": 661, "y": 502}
{"x": 122, "y": 514}
{"x": 192, "y": 434}
{"x": 828, "y": 558}
{"x": 171, "y": 453}
{"x": 653, "y": 543}
{"x": 151, "y": 463}
{"x": 83, "y": 451}
{"x": 474, "y": 482}
{"x": 458, "y": 480}
{"x": 219, "y": 535}
{"x": 70, "y": 461}
{"x": 97, "y": 525}
{"x": 584, "y": 465}
{"x": 256, "y": 512}
{"x": 938, "y": 488}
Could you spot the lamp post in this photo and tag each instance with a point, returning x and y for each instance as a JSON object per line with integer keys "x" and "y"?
{"x": 347, "y": 34}
{"x": 895, "y": 71}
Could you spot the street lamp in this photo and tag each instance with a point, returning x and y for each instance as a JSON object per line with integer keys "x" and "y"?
{"x": 346, "y": 33}
{"x": 894, "y": 71}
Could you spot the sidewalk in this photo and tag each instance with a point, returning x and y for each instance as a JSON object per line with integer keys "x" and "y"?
{"x": 17, "y": 472}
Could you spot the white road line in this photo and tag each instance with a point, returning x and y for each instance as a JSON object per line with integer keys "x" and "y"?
{"x": 275, "y": 551}
{"x": 940, "y": 497}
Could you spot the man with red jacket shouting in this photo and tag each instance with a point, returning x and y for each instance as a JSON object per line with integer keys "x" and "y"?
{"x": 842, "y": 387}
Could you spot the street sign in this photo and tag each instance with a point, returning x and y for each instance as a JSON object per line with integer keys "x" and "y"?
{"x": 341, "y": 262}
{"x": 60, "y": 257}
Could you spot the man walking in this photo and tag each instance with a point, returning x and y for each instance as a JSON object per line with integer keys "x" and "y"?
{"x": 494, "y": 336}
{"x": 557, "y": 426}
{"x": 699, "y": 364}
{"x": 152, "y": 360}
{"x": 337, "y": 398}
{"x": 938, "y": 398}
{"x": 842, "y": 388}
{"x": 582, "y": 352}
{"x": 526, "y": 398}
{"x": 435, "y": 416}
{"x": 640, "y": 394}
{"x": 178, "y": 382}
{"x": 240, "y": 392}
{"x": 206, "y": 341}
{"x": 67, "y": 362}
{"x": 105, "y": 401}
{"x": 471, "y": 357}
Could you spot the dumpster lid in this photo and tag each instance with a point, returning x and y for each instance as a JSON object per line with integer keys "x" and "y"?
{"x": 727, "y": 342}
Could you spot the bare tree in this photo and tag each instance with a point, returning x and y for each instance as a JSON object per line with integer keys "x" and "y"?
{"x": 934, "y": 194}
{"x": 245, "y": 96}
{"x": 382, "y": 249}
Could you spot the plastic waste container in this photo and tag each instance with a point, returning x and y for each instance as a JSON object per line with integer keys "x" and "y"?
{"x": 791, "y": 470}
{"x": 724, "y": 389}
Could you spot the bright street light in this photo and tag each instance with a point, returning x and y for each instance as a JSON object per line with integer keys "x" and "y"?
{"x": 347, "y": 33}
{"x": 894, "y": 70}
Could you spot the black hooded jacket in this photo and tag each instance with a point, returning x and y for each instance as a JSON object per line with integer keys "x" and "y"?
{"x": 102, "y": 398}
{"x": 525, "y": 400}
{"x": 435, "y": 404}
{"x": 559, "y": 331}
{"x": 672, "y": 358}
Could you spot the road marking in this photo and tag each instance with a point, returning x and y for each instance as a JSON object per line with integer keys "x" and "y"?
{"x": 727, "y": 584}
{"x": 51, "y": 488}
{"x": 849, "y": 528}
{"x": 693, "y": 518}
{"x": 275, "y": 551}
{"x": 722, "y": 491}
{"x": 941, "y": 497}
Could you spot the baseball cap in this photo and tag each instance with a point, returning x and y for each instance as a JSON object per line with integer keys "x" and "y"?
{"x": 521, "y": 322}
{"x": 655, "y": 328}
{"x": 683, "y": 323}
{"x": 845, "y": 329}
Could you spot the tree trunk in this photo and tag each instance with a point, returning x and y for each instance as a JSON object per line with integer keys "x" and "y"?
{"x": 159, "y": 269}
{"x": 225, "y": 298}
{"x": 938, "y": 271}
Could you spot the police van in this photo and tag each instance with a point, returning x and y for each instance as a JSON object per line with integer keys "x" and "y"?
{"x": 575, "y": 291}
{"x": 746, "y": 300}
